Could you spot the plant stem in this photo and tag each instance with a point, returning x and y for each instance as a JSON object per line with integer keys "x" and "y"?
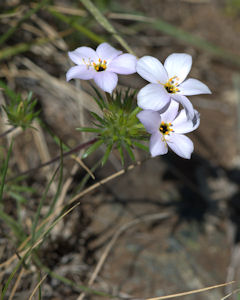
{"x": 102, "y": 20}
{"x": 77, "y": 148}
{"x": 82, "y": 29}
{"x": 7, "y": 132}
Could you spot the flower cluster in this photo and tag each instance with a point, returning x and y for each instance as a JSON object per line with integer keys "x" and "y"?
{"x": 159, "y": 100}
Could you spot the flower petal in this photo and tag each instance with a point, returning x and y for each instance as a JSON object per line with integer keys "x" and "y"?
{"x": 107, "y": 81}
{"x": 153, "y": 96}
{"x": 183, "y": 125}
{"x": 193, "y": 87}
{"x": 170, "y": 114}
{"x": 80, "y": 72}
{"x": 123, "y": 64}
{"x": 150, "y": 119}
{"x": 186, "y": 104}
{"x": 83, "y": 55}
{"x": 178, "y": 64}
{"x": 157, "y": 146}
{"x": 152, "y": 70}
{"x": 181, "y": 145}
{"x": 107, "y": 52}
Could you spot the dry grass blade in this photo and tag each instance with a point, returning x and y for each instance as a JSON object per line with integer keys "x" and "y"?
{"x": 121, "y": 230}
{"x": 23, "y": 47}
{"x": 44, "y": 153}
{"x": 82, "y": 164}
{"x": 16, "y": 284}
{"x": 88, "y": 190}
{"x": 230, "y": 294}
{"x": 192, "y": 292}
{"x": 37, "y": 286}
{"x": 130, "y": 17}
{"x": 22, "y": 252}
{"x": 103, "y": 181}
{"x": 69, "y": 10}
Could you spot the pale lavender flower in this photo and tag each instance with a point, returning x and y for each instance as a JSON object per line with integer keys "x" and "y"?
{"x": 168, "y": 128}
{"x": 167, "y": 82}
{"x": 101, "y": 65}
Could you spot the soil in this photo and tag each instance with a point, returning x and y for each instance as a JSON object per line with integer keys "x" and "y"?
{"x": 192, "y": 246}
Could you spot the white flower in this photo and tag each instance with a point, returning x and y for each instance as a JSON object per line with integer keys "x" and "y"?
{"x": 101, "y": 65}
{"x": 167, "y": 81}
{"x": 167, "y": 129}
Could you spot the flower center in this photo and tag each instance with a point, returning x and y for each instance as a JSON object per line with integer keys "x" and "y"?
{"x": 101, "y": 66}
{"x": 171, "y": 85}
{"x": 165, "y": 128}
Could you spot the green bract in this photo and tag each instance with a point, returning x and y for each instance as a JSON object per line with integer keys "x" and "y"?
{"x": 118, "y": 127}
{"x": 20, "y": 112}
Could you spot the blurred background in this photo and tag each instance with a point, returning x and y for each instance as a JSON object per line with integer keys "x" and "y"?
{"x": 169, "y": 225}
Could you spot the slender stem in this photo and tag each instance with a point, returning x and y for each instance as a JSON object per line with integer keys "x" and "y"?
{"x": 103, "y": 21}
{"x": 74, "y": 24}
{"x": 77, "y": 148}
{"x": 7, "y": 132}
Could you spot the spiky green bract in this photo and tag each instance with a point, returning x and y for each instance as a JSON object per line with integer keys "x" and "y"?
{"x": 118, "y": 127}
{"x": 21, "y": 112}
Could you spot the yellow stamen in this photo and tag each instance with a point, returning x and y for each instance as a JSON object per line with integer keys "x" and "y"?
{"x": 165, "y": 129}
{"x": 100, "y": 66}
{"x": 171, "y": 85}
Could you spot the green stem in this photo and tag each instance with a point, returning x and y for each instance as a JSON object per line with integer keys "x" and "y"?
{"x": 91, "y": 35}
{"x": 5, "y": 168}
{"x": 102, "y": 20}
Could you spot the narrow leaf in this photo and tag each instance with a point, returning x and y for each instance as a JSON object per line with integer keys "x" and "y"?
{"x": 92, "y": 148}
{"x": 141, "y": 146}
{"x": 88, "y": 129}
{"x": 106, "y": 155}
{"x": 129, "y": 151}
{"x": 5, "y": 168}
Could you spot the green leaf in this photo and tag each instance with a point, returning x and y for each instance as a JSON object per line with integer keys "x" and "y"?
{"x": 99, "y": 99}
{"x": 107, "y": 153}
{"x": 89, "y": 129}
{"x": 17, "y": 197}
{"x": 92, "y": 148}
{"x": 120, "y": 150}
{"x": 96, "y": 116}
{"x": 129, "y": 151}
{"x": 5, "y": 168}
{"x": 14, "y": 225}
{"x": 141, "y": 146}
{"x": 134, "y": 112}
